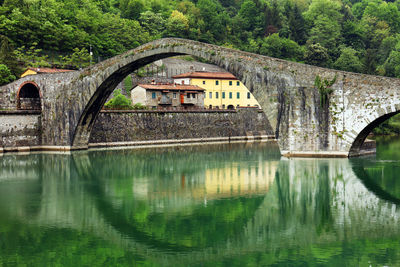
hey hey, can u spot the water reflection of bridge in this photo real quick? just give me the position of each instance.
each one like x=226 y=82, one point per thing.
x=323 y=198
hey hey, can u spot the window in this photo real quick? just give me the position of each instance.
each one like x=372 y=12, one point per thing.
x=237 y=83
x=223 y=95
x=216 y=95
x=210 y=95
x=238 y=95
x=204 y=82
x=216 y=82
x=153 y=95
x=230 y=95
x=174 y=95
x=230 y=83
x=248 y=95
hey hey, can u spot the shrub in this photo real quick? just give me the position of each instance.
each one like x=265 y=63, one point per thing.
x=139 y=106
x=119 y=101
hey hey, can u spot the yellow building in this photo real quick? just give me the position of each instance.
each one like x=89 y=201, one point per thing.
x=222 y=89
x=34 y=71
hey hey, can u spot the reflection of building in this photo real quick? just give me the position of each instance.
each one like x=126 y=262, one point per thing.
x=168 y=96
x=33 y=71
x=222 y=89
x=237 y=181
x=215 y=183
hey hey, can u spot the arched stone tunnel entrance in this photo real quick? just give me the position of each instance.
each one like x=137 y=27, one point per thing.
x=29 y=96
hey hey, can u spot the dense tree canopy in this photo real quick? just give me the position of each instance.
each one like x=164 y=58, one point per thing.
x=351 y=35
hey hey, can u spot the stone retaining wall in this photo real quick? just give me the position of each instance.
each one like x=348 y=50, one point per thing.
x=20 y=129
x=114 y=126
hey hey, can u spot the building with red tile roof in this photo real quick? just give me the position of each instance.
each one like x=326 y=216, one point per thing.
x=168 y=96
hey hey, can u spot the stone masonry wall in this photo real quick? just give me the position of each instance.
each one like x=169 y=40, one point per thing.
x=150 y=125
x=17 y=130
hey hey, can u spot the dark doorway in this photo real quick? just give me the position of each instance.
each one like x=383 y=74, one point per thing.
x=28 y=97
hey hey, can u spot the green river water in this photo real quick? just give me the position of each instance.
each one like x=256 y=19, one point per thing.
x=210 y=205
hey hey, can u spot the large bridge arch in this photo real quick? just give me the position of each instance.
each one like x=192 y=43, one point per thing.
x=241 y=65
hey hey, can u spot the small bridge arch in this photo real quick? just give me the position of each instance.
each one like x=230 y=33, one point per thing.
x=29 y=96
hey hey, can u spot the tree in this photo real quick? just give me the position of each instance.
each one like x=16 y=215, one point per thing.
x=273 y=19
x=348 y=60
x=7 y=56
x=131 y=9
x=388 y=45
x=79 y=59
x=353 y=35
x=326 y=8
x=392 y=63
x=119 y=101
x=276 y=46
x=326 y=32
x=177 y=24
x=317 y=55
x=153 y=23
x=5 y=75
x=249 y=14
x=295 y=23
x=31 y=57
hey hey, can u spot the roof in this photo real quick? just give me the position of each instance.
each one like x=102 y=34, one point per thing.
x=171 y=87
x=207 y=75
x=48 y=70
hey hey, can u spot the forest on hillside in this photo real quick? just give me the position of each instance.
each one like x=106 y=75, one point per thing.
x=352 y=35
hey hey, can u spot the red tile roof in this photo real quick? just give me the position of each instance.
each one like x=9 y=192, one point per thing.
x=207 y=75
x=171 y=87
x=48 y=70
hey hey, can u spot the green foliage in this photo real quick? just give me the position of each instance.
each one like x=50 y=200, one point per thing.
x=316 y=54
x=139 y=106
x=348 y=60
x=388 y=127
x=177 y=24
x=32 y=56
x=128 y=83
x=5 y=75
x=79 y=58
x=284 y=29
x=276 y=46
x=324 y=88
x=392 y=64
x=119 y=101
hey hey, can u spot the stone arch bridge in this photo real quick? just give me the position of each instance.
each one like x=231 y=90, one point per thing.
x=302 y=123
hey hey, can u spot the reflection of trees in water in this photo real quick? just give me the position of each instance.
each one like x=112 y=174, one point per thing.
x=323 y=201
x=380 y=177
x=299 y=219
x=187 y=220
